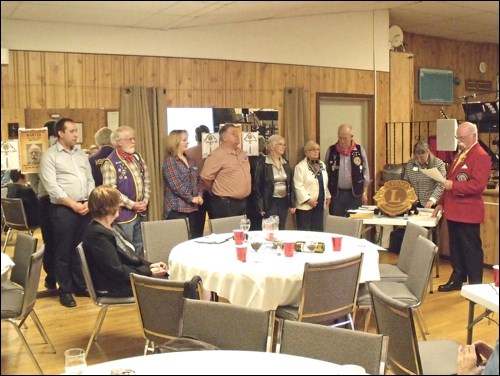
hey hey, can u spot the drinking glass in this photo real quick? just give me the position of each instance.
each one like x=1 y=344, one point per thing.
x=245 y=226
x=256 y=243
x=311 y=245
x=74 y=361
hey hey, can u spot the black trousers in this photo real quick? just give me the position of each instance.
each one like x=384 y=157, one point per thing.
x=223 y=207
x=196 y=222
x=343 y=202
x=68 y=228
x=48 y=240
x=310 y=220
x=466 y=252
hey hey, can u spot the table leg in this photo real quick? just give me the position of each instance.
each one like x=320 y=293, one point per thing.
x=470 y=325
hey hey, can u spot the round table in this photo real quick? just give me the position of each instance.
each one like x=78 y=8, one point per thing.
x=267 y=280
x=218 y=362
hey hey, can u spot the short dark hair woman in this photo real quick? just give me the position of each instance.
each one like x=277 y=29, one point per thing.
x=110 y=253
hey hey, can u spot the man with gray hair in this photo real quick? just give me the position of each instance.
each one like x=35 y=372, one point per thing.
x=126 y=170
x=463 y=207
x=103 y=140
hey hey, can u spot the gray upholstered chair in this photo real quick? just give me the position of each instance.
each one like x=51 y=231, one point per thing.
x=413 y=291
x=406 y=355
x=15 y=218
x=159 y=237
x=328 y=295
x=103 y=302
x=343 y=226
x=335 y=345
x=228 y=326
x=399 y=272
x=18 y=304
x=159 y=304
x=25 y=246
x=227 y=224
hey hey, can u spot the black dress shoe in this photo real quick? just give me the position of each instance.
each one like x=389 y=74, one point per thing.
x=450 y=286
x=67 y=300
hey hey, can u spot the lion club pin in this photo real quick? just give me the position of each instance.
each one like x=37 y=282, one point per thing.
x=462 y=176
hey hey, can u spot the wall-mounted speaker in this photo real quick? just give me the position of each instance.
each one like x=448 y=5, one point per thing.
x=446 y=129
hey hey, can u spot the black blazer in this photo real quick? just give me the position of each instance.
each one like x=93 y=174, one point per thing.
x=263 y=187
x=109 y=266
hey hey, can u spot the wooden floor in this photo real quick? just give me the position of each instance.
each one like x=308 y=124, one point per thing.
x=445 y=313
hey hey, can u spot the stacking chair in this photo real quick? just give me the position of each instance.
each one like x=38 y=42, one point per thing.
x=335 y=345
x=159 y=304
x=343 y=226
x=329 y=292
x=411 y=292
x=228 y=326
x=25 y=246
x=103 y=302
x=159 y=237
x=406 y=355
x=227 y=224
x=15 y=218
x=399 y=272
x=18 y=304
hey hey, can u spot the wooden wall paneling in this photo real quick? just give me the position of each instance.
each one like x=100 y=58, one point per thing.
x=383 y=115
x=185 y=83
x=55 y=68
x=18 y=87
x=117 y=79
x=104 y=81
x=277 y=93
x=234 y=84
x=213 y=85
x=197 y=82
x=170 y=80
x=75 y=77
x=35 y=81
x=250 y=95
x=263 y=88
x=89 y=90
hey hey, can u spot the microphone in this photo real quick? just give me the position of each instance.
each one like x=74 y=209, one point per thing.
x=468 y=96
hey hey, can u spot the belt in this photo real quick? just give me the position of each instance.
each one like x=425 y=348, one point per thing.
x=230 y=198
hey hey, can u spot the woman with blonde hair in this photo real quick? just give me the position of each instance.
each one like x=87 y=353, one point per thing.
x=110 y=253
x=311 y=189
x=182 y=186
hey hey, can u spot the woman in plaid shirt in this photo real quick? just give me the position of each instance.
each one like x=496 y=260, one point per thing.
x=182 y=184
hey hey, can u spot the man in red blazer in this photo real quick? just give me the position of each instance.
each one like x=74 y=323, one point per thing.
x=463 y=207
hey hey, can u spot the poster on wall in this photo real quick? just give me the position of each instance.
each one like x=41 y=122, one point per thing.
x=250 y=143
x=32 y=143
x=10 y=155
x=209 y=142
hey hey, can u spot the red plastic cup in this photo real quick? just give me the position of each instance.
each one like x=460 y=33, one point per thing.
x=288 y=248
x=270 y=236
x=495 y=275
x=337 y=243
x=241 y=253
x=238 y=236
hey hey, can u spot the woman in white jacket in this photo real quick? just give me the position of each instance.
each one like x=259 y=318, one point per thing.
x=311 y=189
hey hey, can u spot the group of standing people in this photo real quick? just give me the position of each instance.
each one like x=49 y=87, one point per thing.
x=221 y=184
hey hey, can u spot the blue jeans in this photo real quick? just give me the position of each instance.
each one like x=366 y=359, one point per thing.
x=133 y=231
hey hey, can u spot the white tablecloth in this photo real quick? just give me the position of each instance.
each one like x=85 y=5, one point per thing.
x=273 y=281
x=218 y=362
x=7 y=264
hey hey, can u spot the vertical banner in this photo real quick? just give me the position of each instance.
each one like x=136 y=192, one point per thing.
x=251 y=143
x=10 y=155
x=209 y=142
x=32 y=143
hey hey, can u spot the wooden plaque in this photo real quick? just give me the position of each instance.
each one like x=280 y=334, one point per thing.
x=396 y=197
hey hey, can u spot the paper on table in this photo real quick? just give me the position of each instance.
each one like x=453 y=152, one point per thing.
x=213 y=239
x=433 y=173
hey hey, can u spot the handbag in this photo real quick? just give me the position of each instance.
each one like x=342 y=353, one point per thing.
x=184 y=343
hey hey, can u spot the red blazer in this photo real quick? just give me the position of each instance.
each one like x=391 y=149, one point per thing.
x=464 y=202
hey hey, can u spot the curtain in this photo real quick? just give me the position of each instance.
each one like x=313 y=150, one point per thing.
x=144 y=110
x=296 y=124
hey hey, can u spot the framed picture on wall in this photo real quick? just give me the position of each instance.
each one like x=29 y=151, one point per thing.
x=13 y=129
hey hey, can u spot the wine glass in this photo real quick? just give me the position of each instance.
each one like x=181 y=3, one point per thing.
x=311 y=245
x=256 y=243
x=245 y=226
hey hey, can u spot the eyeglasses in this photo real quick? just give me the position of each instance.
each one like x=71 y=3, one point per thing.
x=315 y=149
x=280 y=144
x=128 y=139
x=461 y=138
x=345 y=138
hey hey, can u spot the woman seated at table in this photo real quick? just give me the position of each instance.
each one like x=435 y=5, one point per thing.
x=311 y=189
x=110 y=254
x=273 y=183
